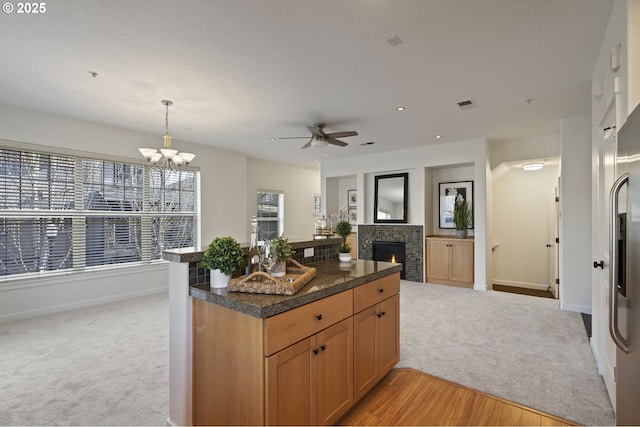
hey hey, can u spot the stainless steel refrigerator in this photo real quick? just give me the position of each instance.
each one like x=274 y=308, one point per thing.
x=624 y=296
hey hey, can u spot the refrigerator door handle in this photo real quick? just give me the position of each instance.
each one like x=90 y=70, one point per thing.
x=613 y=269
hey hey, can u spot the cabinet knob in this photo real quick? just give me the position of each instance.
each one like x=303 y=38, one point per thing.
x=381 y=290
x=323 y=347
x=315 y=351
x=319 y=316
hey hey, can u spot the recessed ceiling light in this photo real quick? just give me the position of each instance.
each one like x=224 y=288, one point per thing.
x=400 y=108
x=272 y=139
x=326 y=154
x=534 y=166
x=438 y=136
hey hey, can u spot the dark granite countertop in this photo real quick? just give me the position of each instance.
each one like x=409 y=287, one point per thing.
x=331 y=278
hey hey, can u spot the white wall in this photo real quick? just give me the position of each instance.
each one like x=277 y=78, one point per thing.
x=298 y=185
x=416 y=162
x=575 y=214
x=517 y=149
x=521 y=204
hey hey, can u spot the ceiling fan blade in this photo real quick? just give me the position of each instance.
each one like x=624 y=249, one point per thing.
x=293 y=137
x=315 y=131
x=342 y=134
x=337 y=142
x=308 y=144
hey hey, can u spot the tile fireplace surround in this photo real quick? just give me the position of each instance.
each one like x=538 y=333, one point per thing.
x=411 y=235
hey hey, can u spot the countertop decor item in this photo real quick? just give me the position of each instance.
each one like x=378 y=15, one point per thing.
x=279 y=252
x=225 y=255
x=343 y=229
x=260 y=282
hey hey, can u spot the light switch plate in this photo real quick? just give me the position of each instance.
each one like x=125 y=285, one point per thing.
x=308 y=252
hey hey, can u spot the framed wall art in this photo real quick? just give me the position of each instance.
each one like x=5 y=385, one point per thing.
x=449 y=192
x=352 y=198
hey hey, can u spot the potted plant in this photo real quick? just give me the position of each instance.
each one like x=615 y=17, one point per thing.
x=461 y=217
x=223 y=256
x=343 y=229
x=279 y=252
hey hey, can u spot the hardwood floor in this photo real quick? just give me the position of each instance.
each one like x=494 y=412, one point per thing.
x=523 y=291
x=410 y=397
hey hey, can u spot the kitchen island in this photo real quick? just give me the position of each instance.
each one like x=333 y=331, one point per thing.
x=304 y=359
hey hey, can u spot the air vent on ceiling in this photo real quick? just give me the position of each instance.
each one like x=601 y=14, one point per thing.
x=367 y=143
x=467 y=104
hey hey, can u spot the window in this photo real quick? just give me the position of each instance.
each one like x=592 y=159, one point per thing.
x=64 y=212
x=270 y=215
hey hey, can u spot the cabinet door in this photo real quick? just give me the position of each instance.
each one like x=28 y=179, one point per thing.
x=335 y=362
x=365 y=372
x=437 y=259
x=389 y=333
x=462 y=261
x=291 y=382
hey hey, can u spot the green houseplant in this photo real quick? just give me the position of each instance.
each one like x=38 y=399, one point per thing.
x=279 y=251
x=223 y=256
x=461 y=217
x=343 y=229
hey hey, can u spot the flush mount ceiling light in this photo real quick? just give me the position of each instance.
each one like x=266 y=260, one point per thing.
x=534 y=166
x=167 y=157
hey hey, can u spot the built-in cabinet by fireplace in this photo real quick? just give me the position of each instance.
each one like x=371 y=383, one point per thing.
x=450 y=261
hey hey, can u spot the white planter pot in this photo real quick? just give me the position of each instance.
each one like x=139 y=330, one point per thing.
x=279 y=269
x=219 y=279
x=344 y=256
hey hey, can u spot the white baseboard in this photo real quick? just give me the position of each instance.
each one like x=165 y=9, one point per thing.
x=577 y=308
x=520 y=284
x=79 y=304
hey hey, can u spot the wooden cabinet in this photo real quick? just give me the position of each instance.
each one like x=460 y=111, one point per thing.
x=449 y=261
x=309 y=383
x=295 y=368
x=376 y=332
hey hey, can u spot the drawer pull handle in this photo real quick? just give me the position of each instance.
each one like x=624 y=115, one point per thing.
x=315 y=351
x=381 y=290
x=319 y=316
x=323 y=347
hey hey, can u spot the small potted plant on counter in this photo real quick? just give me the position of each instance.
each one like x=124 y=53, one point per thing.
x=223 y=256
x=461 y=217
x=279 y=252
x=343 y=229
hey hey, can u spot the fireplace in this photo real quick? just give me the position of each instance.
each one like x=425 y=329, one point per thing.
x=389 y=252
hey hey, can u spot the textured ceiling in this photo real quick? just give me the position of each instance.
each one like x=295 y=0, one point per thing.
x=243 y=71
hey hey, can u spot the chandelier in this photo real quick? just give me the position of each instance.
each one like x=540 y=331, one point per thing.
x=166 y=157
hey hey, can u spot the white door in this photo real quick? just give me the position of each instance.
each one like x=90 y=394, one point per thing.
x=603 y=178
x=553 y=242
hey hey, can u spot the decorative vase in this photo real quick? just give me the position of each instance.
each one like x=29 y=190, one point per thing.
x=461 y=234
x=279 y=269
x=344 y=256
x=219 y=279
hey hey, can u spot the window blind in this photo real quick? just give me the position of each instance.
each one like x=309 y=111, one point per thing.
x=65 y=212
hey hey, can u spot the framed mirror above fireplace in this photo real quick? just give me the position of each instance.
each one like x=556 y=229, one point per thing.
x=390 y=198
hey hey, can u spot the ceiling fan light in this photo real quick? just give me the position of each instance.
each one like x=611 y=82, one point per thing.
x=318 y=143
x=533 y=166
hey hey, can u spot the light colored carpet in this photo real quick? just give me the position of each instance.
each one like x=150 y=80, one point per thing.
x=103 y=365
x=520 y=348
x=108 y=365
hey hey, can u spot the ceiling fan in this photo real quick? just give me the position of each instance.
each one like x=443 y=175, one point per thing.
x=321 y=139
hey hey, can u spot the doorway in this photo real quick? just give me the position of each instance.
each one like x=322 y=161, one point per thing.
x=525 y=224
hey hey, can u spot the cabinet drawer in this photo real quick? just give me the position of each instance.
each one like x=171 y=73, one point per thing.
x=373 y=292
x=292 y=326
